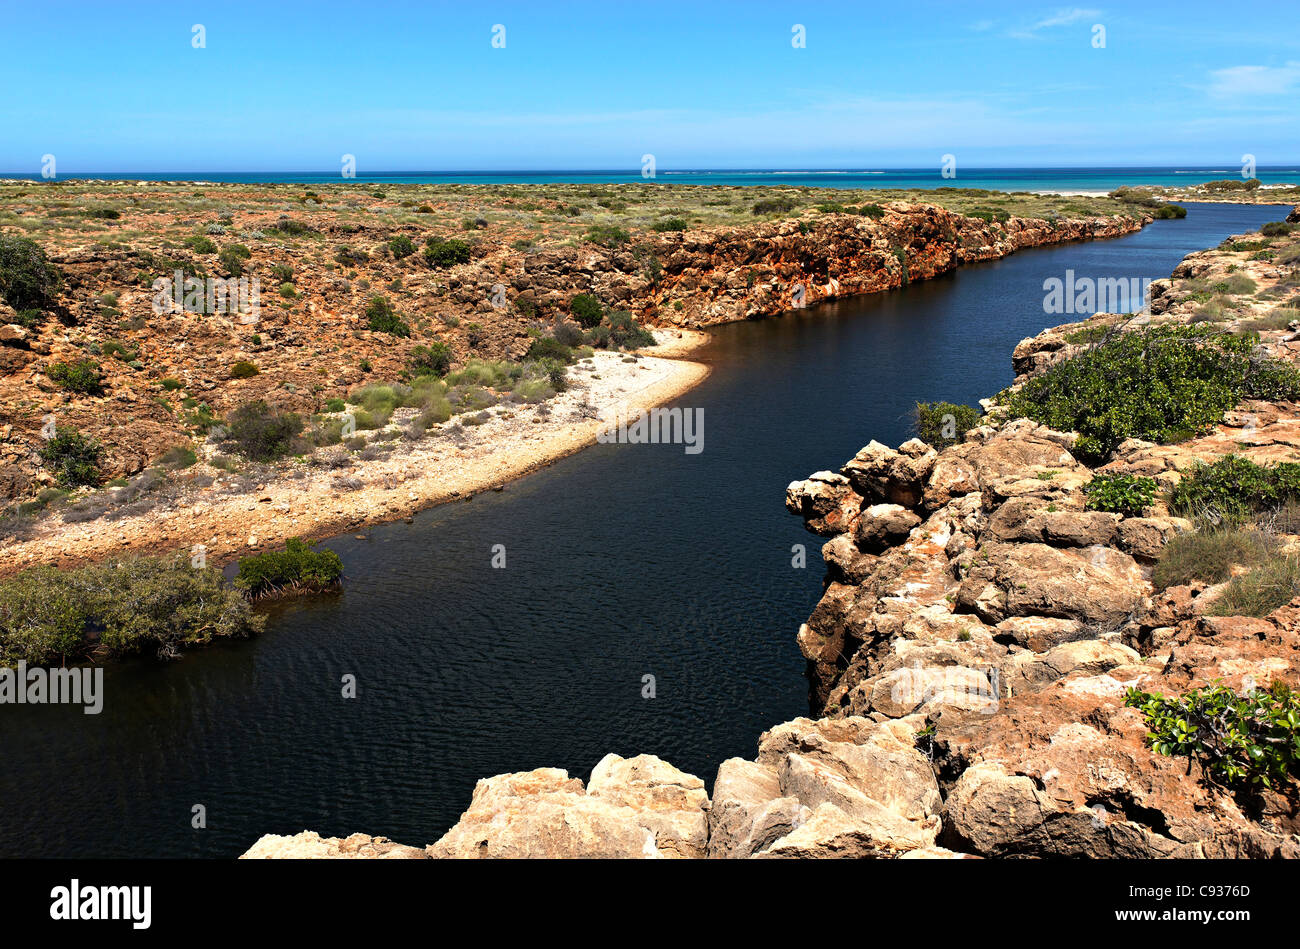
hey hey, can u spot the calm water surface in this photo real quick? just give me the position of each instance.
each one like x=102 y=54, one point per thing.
x=622 y=561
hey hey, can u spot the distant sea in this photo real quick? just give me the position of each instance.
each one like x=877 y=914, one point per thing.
x=995 y=179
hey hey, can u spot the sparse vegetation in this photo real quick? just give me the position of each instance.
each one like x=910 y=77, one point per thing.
x=1208 y=556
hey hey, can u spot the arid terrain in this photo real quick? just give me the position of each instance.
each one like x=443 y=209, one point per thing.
x=364 y=290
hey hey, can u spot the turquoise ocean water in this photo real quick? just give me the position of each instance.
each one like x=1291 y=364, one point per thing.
x=996 y=179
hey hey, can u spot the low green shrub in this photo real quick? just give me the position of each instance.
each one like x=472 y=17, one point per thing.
x=1249 y=739
x=243 y=370
x=74 y=458
x=382 y=318
x=81 y=376
x=1163 y=385
x=568 y=334
x=1234 y=488
x=1276 y=229
x=1120 y=494
x=232 y=258
x=296 y=569
x=669 y=224
x=626 y=333
x=944 y=423
x=549 y=348
x=441 y=252
x=27 y=278
x=434 y=359
x=587 y=310
x=401 y=246
x=261 y=432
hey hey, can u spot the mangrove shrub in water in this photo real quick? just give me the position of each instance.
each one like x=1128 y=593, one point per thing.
x=50 y=616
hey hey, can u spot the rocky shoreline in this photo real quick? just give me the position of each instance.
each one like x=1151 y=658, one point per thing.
x=969 y=660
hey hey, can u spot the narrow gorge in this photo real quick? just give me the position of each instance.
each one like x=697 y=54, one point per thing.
x=983 y=629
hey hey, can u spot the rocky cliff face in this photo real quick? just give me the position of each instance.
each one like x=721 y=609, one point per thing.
x=723 y=275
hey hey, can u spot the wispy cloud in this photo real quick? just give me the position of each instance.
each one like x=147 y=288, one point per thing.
x=1238 y=82
x=1066 y=17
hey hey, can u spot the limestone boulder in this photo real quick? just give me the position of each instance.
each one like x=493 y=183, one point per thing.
x=880 y=473
x=310 y=845
x=826 y=501
x=1096 y=585
x=1145 y=537
x=883 y=525
x=749 y=811
x=637 y=807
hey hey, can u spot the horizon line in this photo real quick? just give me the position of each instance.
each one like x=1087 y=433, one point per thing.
x=877 y=169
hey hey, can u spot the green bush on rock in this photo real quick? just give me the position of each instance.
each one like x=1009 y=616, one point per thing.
x=81 y=376
x=262 y=433
x=1120 y=494
x=74 y=458
x=944 y=423
x=27 y=278
x=1250 y=739
x=1234 y=488
x=1163 y=385
x=382 y=318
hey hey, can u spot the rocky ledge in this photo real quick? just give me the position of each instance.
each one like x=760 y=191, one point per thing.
x=969 y=662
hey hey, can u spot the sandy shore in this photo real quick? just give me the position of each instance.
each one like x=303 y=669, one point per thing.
x=314 y=501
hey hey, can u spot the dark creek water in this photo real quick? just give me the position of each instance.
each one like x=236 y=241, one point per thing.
x=622 y=561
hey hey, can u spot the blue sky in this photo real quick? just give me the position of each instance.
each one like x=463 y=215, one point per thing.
x=283 y=85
